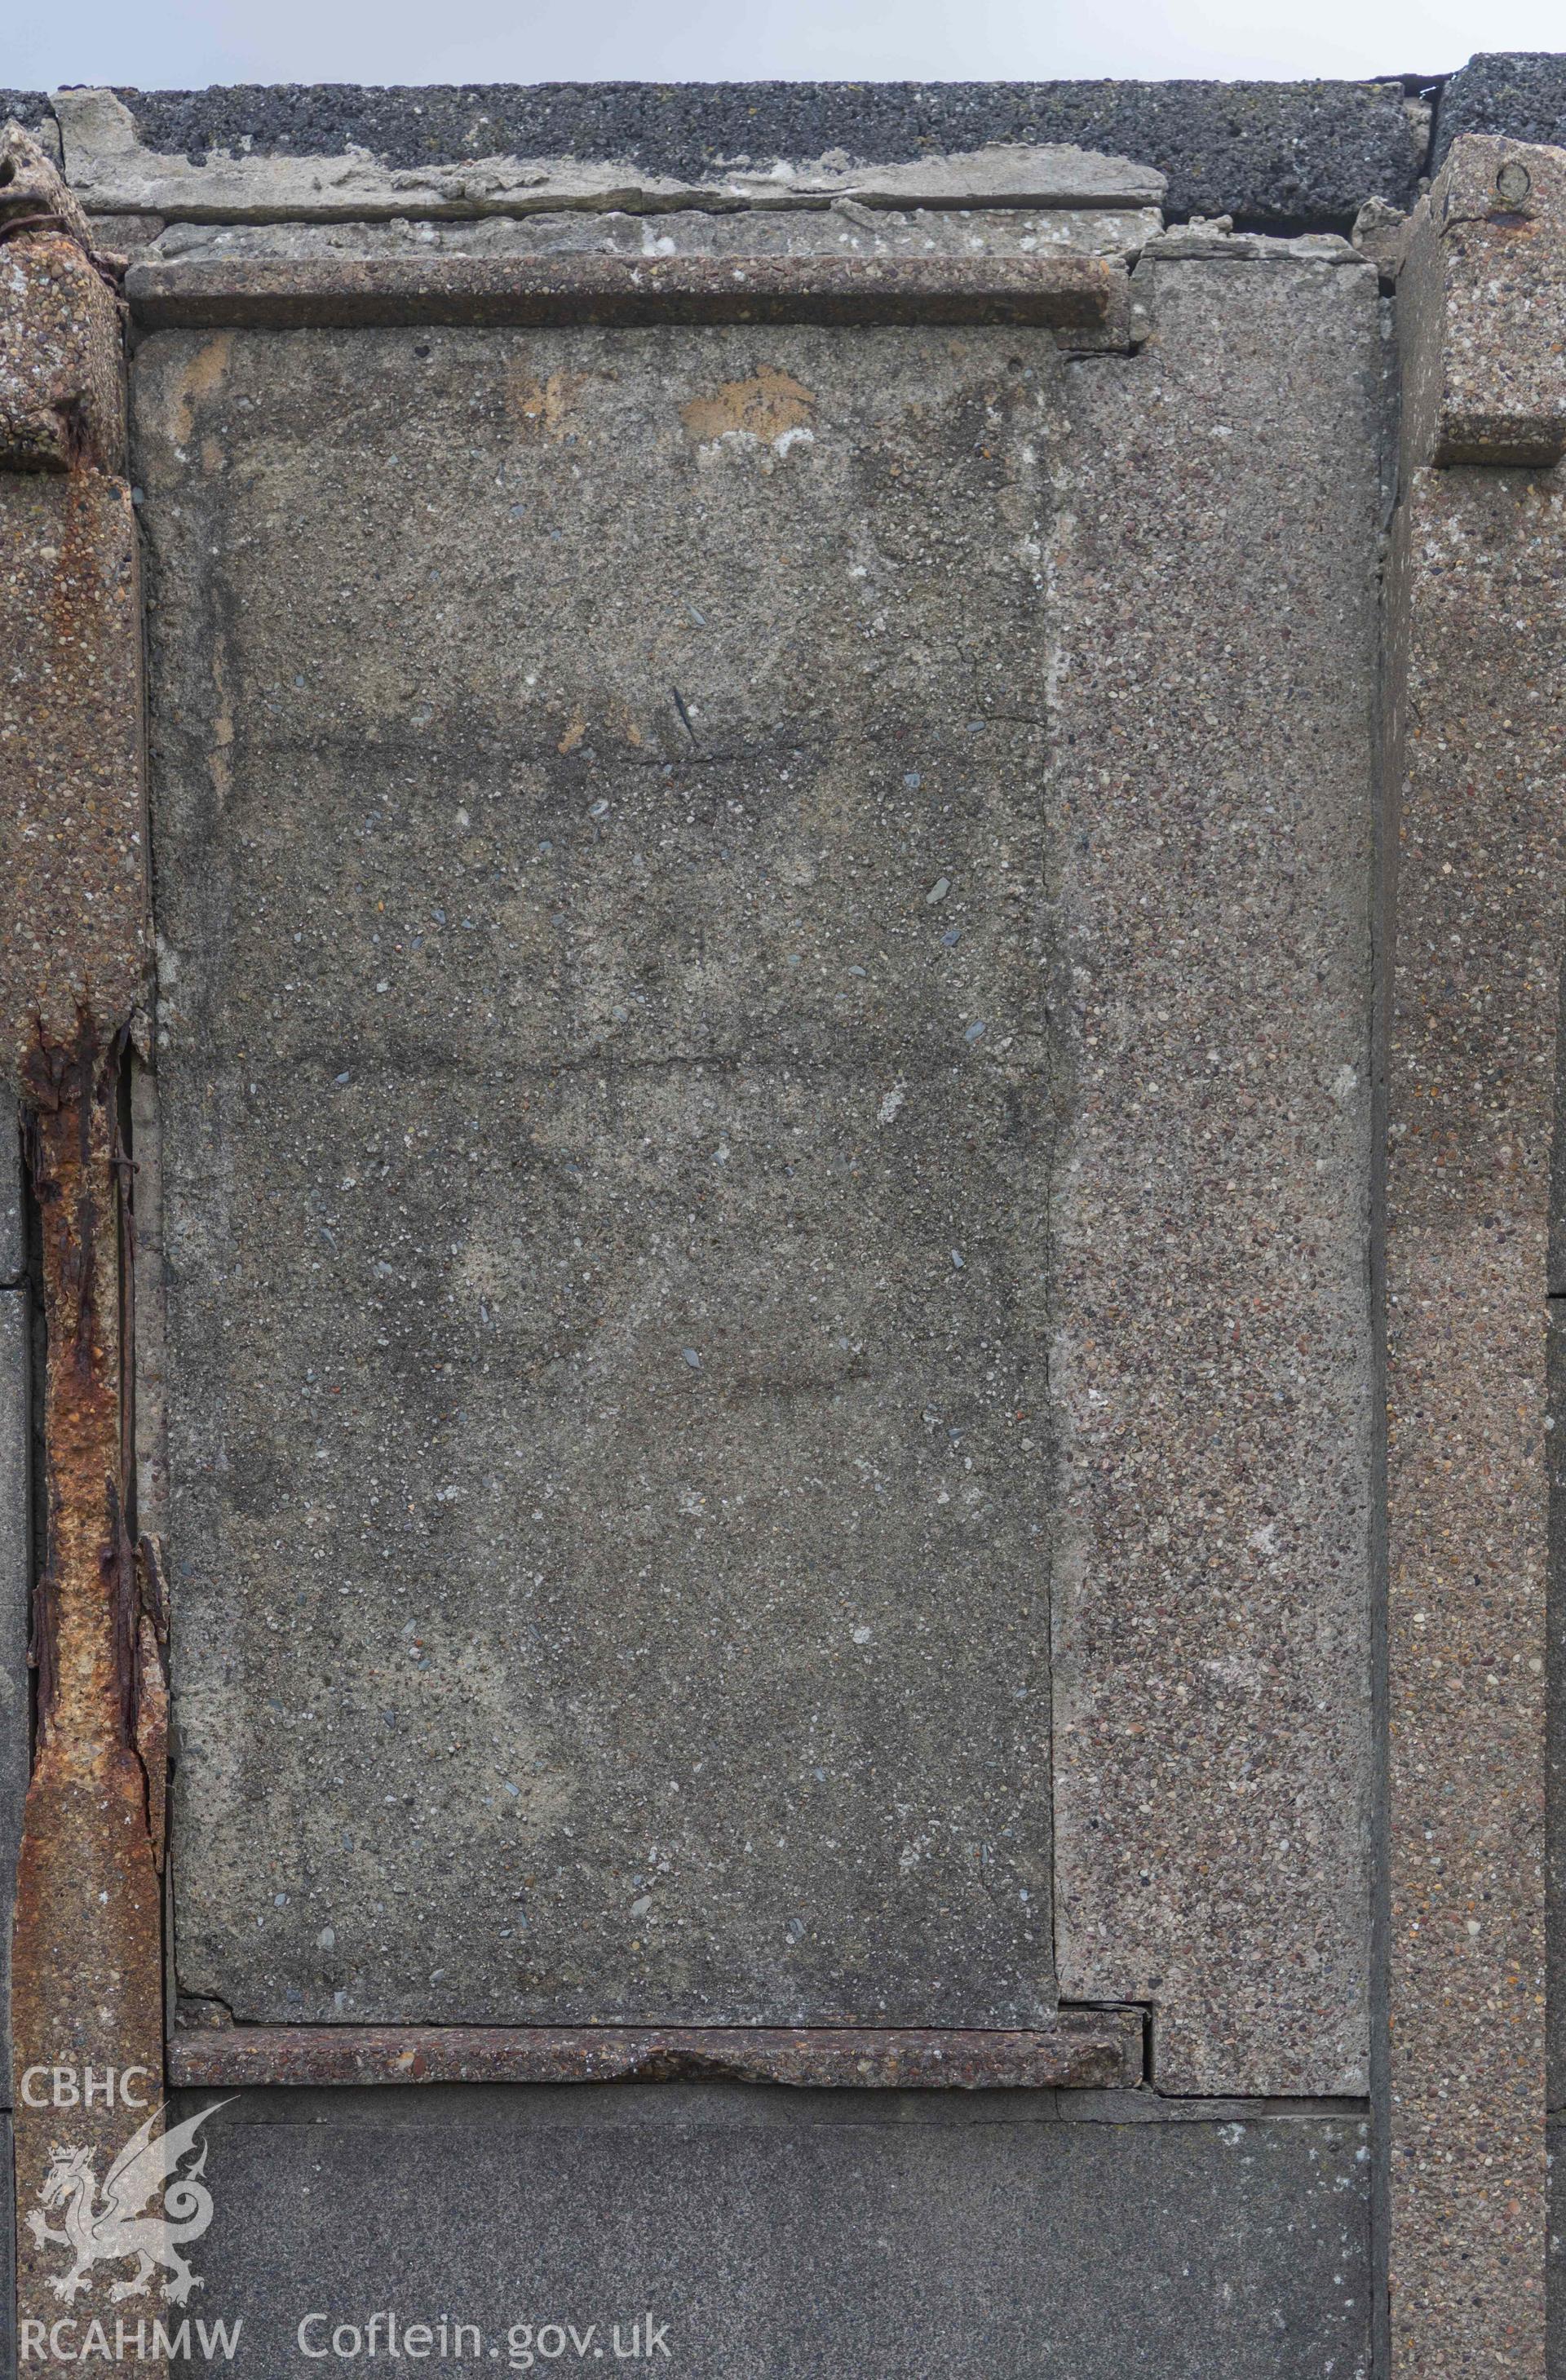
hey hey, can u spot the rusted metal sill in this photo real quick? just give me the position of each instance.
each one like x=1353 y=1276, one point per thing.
x=1088 y=2049
x=1071 y=292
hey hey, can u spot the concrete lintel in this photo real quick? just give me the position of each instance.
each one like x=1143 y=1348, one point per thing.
x=1057 y=292
x=1087 y=2048
x=1481 y=299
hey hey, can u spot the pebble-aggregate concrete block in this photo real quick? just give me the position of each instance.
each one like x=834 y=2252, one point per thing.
x=1214 y=779
x=1479 y=829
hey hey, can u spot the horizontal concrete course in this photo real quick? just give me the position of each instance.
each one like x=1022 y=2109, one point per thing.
x=1055 y=290
x=792 y=2236
x=1085 y=2049
x=1308 y=152
x=844 y=228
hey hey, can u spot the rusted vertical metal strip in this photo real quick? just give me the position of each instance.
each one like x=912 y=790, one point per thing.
x=86 y=2011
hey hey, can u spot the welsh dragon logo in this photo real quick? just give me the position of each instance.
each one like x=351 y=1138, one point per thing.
x=103 y=2233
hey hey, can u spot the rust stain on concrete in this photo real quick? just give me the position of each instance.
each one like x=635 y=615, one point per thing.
x=765 y=407
x=202 y=375
x=542 y=407
x=87 y=1966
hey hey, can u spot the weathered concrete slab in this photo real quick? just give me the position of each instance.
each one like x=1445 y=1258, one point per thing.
x=1480 y=832
x=830 y=2234
x=1519 y=93
x=844 y=228
x=1291 y=153
x=1213 y=705
x=607 y=1123
x=15 y=1587
x=113 y=170
x=72 y=928
x=1481 y=299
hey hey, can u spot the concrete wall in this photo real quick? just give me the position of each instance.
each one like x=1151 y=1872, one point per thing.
x=790 y=955
x=680 y=1062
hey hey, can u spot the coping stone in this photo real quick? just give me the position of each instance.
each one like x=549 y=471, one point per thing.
x=1286 y=153
x=1519 y=93
x=814 y=2236
x=115 y=173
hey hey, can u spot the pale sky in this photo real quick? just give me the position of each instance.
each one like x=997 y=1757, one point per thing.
x=184 y=43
